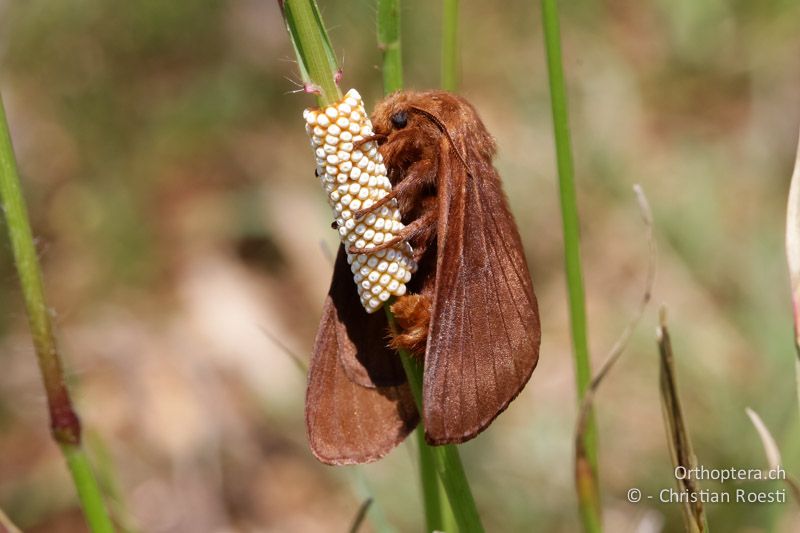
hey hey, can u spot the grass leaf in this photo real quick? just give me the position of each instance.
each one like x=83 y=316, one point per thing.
x=680 y=443
x=772 y=451
x=793 y=256
x=360 y=515
x=7 y=525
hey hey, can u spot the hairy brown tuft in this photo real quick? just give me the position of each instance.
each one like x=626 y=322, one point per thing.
x=413 y=316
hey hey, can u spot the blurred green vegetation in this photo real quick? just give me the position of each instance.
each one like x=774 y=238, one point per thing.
x=169 y=178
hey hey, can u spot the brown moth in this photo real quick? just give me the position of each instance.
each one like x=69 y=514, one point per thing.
x=470 y=313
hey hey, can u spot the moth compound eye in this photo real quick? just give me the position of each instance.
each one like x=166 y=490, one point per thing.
x=399 y=120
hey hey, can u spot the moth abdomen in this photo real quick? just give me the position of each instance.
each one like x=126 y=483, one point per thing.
x=412 y=314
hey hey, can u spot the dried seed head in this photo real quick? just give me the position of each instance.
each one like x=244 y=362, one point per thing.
x=356 y=179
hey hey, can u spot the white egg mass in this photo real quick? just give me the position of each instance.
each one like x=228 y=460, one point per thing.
x=335 y=131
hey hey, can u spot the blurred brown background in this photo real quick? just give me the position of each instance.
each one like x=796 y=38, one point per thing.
x=186 y=250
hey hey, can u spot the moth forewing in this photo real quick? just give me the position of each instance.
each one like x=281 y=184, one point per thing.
x=483 y=333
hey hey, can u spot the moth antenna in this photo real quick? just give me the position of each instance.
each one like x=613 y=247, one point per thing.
x=441 y=125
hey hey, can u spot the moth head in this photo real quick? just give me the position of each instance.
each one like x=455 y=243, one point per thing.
x=432 y=114
x=395 y=113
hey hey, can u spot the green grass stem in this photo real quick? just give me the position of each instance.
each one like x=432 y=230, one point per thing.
x=389 y=42
x=88 y=490
x=64 y=423
x=450 y=55
x=449 y=505
x=572 y=258
x=315 y=56
x=446 y=460
x=438 y=512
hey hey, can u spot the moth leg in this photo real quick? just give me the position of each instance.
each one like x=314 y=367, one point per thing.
x=380 y=138
x=361 y=213
x=409 y=232
x=376 y=137
x=416 y=175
